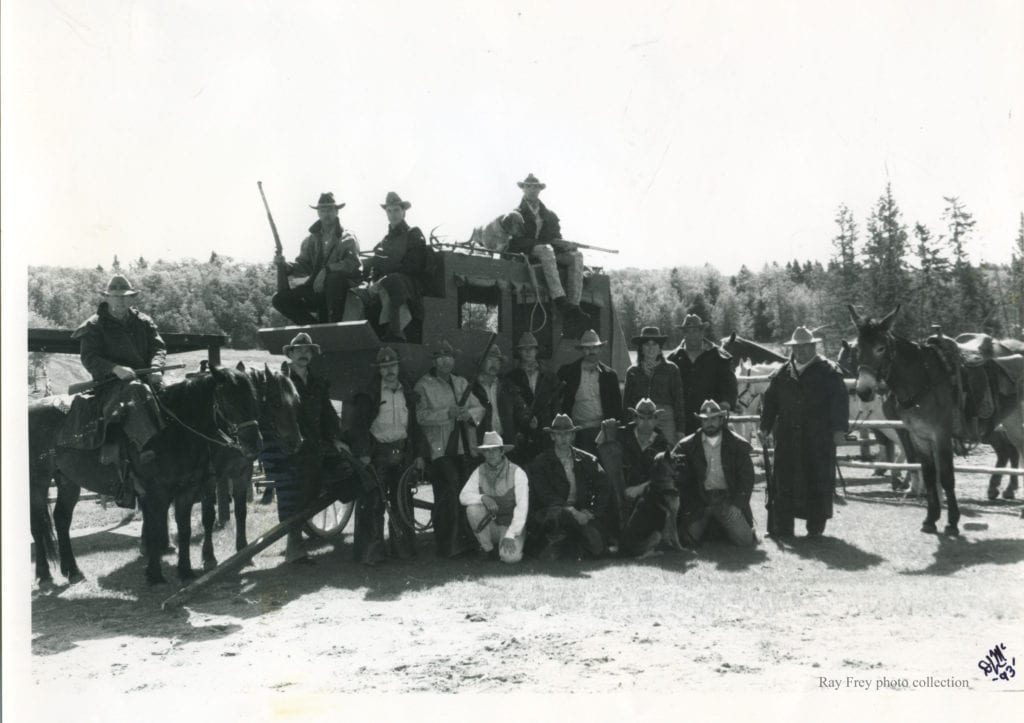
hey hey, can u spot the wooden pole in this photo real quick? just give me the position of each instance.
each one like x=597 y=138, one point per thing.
x=246 y=553
x=909 y=466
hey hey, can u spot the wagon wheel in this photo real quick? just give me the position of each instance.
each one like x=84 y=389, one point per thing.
x=330 y=522
x=409 y=485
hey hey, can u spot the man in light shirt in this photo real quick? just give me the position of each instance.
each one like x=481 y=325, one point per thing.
x=716 y=478
x=385 y=435
x=591 y=391
x=497 y=497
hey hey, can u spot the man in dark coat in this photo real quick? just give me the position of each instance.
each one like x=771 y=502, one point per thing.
x=715 y=476
x=540 y=391
x=706 y=370
x=329 y=257
x=541 y=239
x=654 y=378
x=591 y=393
x=385 y=434
x=569 y=495
x=115 y=341
x=807 y=409
x=505 y=411
x=397 y=269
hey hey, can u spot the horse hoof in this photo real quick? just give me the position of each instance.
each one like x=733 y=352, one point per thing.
x=209 y=565
x=76 y=576
x=929 y=527
x=952 y=530
x=46 y=584
x=993 y=493
x=170 y=550
x=1009 y=495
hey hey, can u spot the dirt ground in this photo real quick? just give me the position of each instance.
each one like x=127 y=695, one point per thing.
x=874 y=599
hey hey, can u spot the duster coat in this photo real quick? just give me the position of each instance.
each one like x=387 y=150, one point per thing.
x=803 y=411
x=709 y=377
x=691 y=468
x=107 y=342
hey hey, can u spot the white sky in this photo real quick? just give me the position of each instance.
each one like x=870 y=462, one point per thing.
x=679 y=132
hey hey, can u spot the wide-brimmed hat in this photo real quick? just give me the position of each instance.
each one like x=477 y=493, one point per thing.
x=327 y=201
x=649 y=333
x=527 y=341
x=562 y=423
x=493 y=440
x=645 y=408
x=589 y=338
x=496 y=351
x=385 y=356
x=692 y=321
x=393 y=199
x=119 y=286
x=442 y=348
x=302 y=339
x=801 y=335
x=711 y=408
x=531 y=180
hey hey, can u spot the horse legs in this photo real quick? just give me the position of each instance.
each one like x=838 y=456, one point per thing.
x=42 y=526
x=183 y=518
x=67 y=497
x=242 y=484
x=946 y=476
x=210 y=522
x=929 y=472
x=154 y=532
x=1002 y=447
x=224 y=490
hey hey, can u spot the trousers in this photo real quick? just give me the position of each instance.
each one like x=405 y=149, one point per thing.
x=550 y=260
x=493 y=533
x=302 y=305
x=729 y=517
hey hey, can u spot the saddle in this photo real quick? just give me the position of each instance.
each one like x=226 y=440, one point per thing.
x=83 y=427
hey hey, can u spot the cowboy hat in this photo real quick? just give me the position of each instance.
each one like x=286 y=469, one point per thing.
x=645 y=408
x=327 y=201
x=119 y=286
x=493 y=440
x=710 y=408
x=302 y=339
x=527 y=341
x=443 y=348
x=496 y=351
x=589 y=338
x=562 y=423
x=692 y=321
x=386 y=356
x=393 y=199
x=649 y=333
x=531 y=180
x=801 y=335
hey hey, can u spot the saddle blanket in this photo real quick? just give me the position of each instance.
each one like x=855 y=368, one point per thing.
x=83 y=427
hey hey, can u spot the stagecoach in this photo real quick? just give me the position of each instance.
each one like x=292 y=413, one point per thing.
x=470 y=295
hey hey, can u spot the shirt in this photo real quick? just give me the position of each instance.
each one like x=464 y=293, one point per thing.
x=471 y=495
x=392 y=420
x=715 y=479
x=535 y=209
x=436 y=397
x=570 y=473
x=492 y=398
x=586 y=409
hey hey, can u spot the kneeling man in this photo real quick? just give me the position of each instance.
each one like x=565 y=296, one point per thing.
x=496 y=497
x=716 y=478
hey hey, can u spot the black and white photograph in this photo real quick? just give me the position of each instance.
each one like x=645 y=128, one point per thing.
x=512 y=360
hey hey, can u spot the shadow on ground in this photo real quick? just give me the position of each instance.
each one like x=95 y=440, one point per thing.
x=958 y=553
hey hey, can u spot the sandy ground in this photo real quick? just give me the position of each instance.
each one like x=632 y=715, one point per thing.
x=875 y=600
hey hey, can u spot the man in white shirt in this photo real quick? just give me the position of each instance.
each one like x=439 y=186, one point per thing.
x=497 y=497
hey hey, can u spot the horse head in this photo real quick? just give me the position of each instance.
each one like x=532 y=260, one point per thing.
x=279 y=407
x=874 y=351
x=235 y=408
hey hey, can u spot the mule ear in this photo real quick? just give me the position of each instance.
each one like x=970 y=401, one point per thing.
x=240 y=366
x=886 y=323
x=732 y=337
x=854 y=316
x=845 y=345
x=266 y=368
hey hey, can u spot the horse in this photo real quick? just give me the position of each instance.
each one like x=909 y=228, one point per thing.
x=750 y=394
x=219 y=407
x=991 y=346
x=232 y=471
x=740 y=348
x=1007 y=455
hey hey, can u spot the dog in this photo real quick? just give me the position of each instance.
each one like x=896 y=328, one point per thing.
x=495 y=236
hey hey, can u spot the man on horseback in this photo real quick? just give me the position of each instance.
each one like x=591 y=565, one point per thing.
x=115 y=341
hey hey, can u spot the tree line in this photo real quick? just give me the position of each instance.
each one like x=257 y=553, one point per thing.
x=874 y=267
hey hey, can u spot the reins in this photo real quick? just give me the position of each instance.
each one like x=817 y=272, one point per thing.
x=232 y=428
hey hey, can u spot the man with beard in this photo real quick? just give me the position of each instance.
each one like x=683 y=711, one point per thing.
x=497 y=498
x=115 y=341
x=591 y=391
x=385 y=435
x=505 y=412
x=807 y=409
x=540 y=391
x=329 y=257
x=706 y=371
x=444 y=423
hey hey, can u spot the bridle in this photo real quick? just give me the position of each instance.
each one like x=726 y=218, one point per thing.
x=230 y=433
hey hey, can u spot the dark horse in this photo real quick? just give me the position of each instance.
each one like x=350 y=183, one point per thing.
x=925 y=402
x=232 y=470
x=218 y=408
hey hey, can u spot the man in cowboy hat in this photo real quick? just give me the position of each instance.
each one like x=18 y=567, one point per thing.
x=385 y=434
x=497 y=498
x=329 y=258
x=806 y=408
x=715 y=476
x=652 y=377
x=569 y=496
x=321 y=435
x=591 y=390
x=115 y=341
x=628 y=454
x=397 y=269
x=706 y=371
x=540 y=391
x=540 y=237
x=445 y=422
x=505 y=412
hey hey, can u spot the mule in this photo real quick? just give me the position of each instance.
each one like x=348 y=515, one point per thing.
x=1007 y=455
x=219 y=408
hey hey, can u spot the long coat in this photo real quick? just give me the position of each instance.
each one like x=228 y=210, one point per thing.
x=550 y=229
x=107 y=342
x=549 y=487
x=691 y=468
x=400 y=264
x=318 y=420
x=339 y=253
x=608 y=388
x=710 y=377
x=803 y=412
x=664 y=387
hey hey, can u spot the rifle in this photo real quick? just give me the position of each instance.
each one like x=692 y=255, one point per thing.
x=769 y=490
x=452 y=448
x=578 y=245
x=282 y=270
x=86 y=386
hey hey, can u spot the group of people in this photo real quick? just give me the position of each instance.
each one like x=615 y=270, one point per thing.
x=387 y=285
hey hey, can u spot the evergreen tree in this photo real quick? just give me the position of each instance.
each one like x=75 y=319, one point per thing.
x=970 y=301
x=934 y=280
x=1016 y=293
x=886 y=278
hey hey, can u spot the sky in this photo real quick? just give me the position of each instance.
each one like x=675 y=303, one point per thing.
x=680 y=133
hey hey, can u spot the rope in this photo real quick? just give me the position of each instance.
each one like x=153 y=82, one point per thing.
x=172 y=415
x=536 y=298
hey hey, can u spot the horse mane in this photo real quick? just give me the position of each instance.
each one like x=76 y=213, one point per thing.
x=188 y=398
